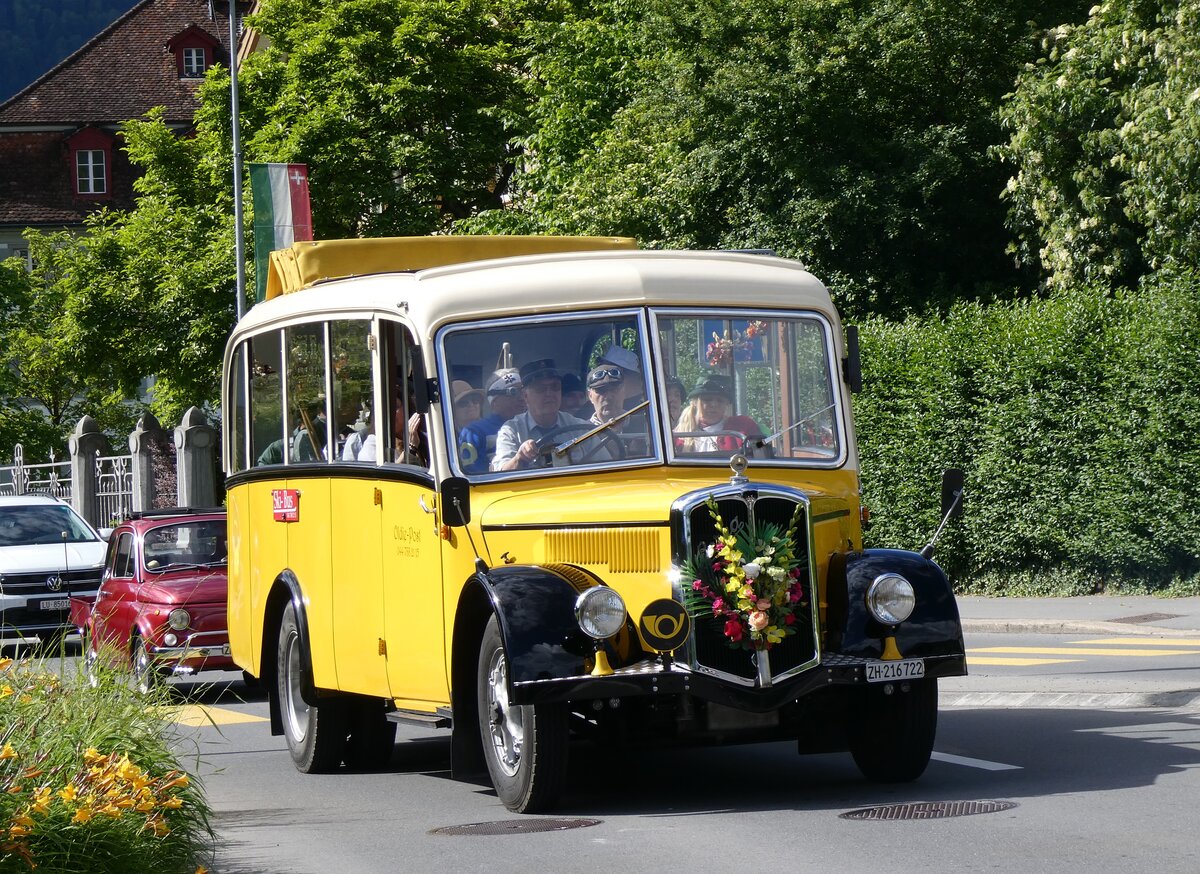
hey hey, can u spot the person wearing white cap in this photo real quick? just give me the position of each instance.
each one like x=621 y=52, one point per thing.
x=631 y=369
x=477 y=441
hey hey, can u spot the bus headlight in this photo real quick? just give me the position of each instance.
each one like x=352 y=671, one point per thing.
x=179 y=619
x=891 y=599
x=600 y=612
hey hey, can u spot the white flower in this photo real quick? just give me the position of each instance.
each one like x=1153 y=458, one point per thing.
x=776 y=573
x=751 y=570
x=711 y=551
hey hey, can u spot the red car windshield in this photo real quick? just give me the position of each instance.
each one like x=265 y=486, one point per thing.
x=185 y=544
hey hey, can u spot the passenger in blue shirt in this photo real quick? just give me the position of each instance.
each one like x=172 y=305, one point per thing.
x=477 y=441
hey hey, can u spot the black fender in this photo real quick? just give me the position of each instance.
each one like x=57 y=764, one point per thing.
x=535 y=607
x=933 y=629
x=285 y=588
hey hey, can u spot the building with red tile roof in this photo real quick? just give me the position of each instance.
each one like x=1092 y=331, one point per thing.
x=60 y=155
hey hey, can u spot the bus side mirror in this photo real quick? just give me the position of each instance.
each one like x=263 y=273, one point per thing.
x=851 y=365
x=456 y=501
x=952 y=493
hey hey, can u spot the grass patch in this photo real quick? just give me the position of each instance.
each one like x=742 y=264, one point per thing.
x=88 y=778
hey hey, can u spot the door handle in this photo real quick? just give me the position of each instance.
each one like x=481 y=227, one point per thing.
x=426 y=507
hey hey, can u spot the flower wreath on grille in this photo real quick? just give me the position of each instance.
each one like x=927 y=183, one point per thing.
x=751 y=579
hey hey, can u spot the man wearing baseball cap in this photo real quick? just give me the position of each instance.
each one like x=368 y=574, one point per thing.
x=477 y=441
x=517 y=439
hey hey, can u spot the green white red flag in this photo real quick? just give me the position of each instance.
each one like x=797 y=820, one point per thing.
x=282 y=213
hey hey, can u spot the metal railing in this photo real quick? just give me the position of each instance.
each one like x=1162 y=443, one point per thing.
x=114 y=488
x=51 y=478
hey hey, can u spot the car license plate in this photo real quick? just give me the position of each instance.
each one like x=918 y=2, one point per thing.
x=905 y=669
x=55 y=604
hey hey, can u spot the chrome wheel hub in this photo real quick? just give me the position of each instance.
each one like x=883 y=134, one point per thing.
x=505 y=721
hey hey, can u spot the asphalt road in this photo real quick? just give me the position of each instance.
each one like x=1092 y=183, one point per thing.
x=1044 y=723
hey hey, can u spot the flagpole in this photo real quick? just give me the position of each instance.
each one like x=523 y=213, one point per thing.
x=239 y=245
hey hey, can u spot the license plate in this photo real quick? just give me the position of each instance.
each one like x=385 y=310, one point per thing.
x=55 y=604
x=905 y=669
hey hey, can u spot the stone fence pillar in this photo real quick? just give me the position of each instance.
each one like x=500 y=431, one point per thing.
x=144 y=441
x=195 y=460
x=84 y=445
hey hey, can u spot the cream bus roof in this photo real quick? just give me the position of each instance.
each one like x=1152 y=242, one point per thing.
x=554 y=283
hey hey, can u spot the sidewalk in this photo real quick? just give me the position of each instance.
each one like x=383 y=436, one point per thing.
x=1102 y=615
x=1099 y=614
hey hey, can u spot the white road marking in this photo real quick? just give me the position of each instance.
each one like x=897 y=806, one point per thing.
x=974 y=763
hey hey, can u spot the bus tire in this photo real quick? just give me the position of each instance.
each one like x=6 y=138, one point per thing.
x=524 y=745
x=315 y=734
x=372 y=736
x=892 y=736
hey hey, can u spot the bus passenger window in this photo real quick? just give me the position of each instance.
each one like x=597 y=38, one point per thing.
x=353 y=390
x=306 y=393
x=266 y=411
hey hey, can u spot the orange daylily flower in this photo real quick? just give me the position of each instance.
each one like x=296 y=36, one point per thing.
x=8 y=752
x=83 y=814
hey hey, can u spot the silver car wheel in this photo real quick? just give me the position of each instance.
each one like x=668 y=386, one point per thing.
x=504 y=720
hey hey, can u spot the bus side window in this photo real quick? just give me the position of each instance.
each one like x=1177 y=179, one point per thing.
x=266 y=408
x=409 y=438
x=353 y=424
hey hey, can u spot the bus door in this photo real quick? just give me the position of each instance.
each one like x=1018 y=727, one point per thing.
x=412 y=566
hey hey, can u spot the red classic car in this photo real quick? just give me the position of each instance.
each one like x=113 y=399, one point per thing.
x=160 y=608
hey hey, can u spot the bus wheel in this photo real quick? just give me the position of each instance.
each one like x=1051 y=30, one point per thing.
x=524 y=745
x=316 y=735
x=892 y=737
x=372 y=735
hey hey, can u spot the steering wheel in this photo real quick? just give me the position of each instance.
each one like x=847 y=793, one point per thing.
x=546 y=443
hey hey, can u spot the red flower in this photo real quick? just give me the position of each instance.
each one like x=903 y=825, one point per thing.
x=789 y=619
x=733 y=630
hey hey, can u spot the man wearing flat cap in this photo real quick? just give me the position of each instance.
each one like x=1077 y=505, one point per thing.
x=517 y=439
x=477 y=441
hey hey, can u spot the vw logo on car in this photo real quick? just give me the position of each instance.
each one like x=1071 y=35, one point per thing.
x=54 y=582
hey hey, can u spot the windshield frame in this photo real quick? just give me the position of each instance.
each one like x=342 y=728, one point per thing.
x=655 y=452
x=178 y=567
x=839 y=413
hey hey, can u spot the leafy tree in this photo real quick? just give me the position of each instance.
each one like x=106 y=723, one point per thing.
x=1103 y=143
x=401 y=108
x=852 y=135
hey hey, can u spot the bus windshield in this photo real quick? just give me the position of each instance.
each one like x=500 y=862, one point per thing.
x=532 y=394
x=761 y=385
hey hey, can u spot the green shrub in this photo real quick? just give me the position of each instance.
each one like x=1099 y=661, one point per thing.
x=88 y=780
x=1075 y=419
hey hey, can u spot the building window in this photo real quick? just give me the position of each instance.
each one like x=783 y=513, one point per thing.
x=89 y=172
x=194 y=63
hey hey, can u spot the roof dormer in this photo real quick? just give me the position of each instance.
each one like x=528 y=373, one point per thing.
x=195 y=50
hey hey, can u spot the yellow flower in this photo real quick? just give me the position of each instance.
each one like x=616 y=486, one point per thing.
x=83 y=814
x=18 y=831
x=173 y=803
x=181 y=781
x=157 y=824
x=8 y=752
x=146 y=807
x=68 y=794
x=25 y=699
x=111 y=810
x=127 y=770
x=5 y=690
x=23 y=820
x=201 y=870
x=91 y=756
x=5 y=664
x=41 y=799
x=124 y=803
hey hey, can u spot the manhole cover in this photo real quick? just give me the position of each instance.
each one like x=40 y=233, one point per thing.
x=514 y=826
x=929 y=810
x=1148 y=617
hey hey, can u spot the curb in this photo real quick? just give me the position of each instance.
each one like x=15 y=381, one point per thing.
x=1067 y=626
x=1179 y=700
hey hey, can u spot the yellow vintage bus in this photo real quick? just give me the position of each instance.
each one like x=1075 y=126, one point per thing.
x=548 y=491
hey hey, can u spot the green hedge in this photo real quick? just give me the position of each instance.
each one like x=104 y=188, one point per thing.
x=1077 y=422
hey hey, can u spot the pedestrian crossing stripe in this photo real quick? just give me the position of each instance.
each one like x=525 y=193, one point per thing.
x=1016 y=662
x=1081 y=650
x=200 y=716
x=1142 y=641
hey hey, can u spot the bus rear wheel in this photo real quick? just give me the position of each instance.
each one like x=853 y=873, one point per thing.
x=524 y=745
x=315 y=733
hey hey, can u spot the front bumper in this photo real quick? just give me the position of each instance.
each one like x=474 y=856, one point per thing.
x=650 y=678
x=204 y=650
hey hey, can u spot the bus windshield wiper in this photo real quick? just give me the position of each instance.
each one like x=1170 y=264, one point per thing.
x=564 y=448
x=764 y=441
